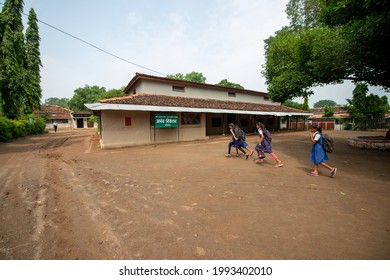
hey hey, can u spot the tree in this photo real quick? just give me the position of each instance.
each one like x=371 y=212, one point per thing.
x=33 y=60
x=91 y=94
x=362 y=107
x=196 y=77
x=226 y=83
x=328 y=111
x=304 y=106
x=13 y=74
x=292 y=104
x=302 y=13
x=62 y=102
x=110 y=94
x=323 y=103
x=327 y=42
x=88 y=94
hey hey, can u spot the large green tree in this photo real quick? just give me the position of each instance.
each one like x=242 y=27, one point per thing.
x=327 y=42
x=87 y=94
x=91 y=94
x=13 y=74
x=33 y=60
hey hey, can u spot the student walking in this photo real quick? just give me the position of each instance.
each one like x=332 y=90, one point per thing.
x=55 y=125
x=264 y=146
x=318 y=155
x=237 y=141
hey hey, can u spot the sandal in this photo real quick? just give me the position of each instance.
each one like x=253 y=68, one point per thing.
x=333 y=172
x=227 y=155
x=279 y=165
x=259 y=160
x=312 y=174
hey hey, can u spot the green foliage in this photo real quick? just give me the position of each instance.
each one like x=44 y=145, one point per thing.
x=20 y=90
x=91 y=94
x=196 y=77
x=293 y=104
x=226 y=83
x=6 y=128
x=302 y=13
x=362 y=107
x=110 y=94
x=34 y=93
x=328 y=111
x=62 y=102
x=88 y=94
x=323 y=103
x=10 y=129
x=328 y=42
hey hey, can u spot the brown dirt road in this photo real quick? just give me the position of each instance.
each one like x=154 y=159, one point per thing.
x=61 y=197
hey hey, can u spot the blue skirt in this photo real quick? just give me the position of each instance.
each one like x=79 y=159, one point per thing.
x=318 y=154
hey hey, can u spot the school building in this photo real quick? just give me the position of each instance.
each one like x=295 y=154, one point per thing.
x=162 y=110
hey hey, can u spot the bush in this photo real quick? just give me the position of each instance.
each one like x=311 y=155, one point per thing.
x=10 y=129
x=5 y=129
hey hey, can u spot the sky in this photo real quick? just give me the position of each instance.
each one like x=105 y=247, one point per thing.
x=222 y=39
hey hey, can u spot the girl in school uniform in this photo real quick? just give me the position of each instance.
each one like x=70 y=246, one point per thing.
x=237 y=142
x=265 y=147
x=318 y=155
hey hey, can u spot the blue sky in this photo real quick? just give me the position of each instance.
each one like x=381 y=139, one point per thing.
x=223 y=39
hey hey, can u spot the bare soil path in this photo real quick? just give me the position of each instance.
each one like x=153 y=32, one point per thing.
x=62 y=197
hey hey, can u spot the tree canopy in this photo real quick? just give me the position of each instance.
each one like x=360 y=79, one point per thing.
x=62 y=102
x=91 y=94
x=226 y=83
x=196 y=77
x=327 y=42
x=323 y=103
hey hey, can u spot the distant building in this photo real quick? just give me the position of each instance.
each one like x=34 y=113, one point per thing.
x=80 y=119
x=57 y=114
x=64 y=117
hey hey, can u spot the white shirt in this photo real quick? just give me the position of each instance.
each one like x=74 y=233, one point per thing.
x=316 y=136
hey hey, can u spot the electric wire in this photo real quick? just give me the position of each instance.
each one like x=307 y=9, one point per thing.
x=96 y=47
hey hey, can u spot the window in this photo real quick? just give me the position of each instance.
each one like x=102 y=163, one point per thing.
x=178 y=88
x=190 y=118
x=231 y=94
x=127 y=121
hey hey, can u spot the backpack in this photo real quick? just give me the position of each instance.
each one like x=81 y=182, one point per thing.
x=327 y=143
x=242 y=135
x=267 y=136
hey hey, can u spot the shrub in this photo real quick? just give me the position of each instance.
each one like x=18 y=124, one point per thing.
x=10 y=129
x=5 y=129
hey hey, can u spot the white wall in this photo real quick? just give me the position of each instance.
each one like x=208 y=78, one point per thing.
x=154 y=87
x=114 y=133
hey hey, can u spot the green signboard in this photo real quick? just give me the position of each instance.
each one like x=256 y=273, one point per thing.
x=166 y=121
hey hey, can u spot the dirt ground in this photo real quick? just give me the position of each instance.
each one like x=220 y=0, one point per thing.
x=62 y=197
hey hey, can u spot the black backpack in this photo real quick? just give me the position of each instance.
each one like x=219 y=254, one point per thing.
x=327 y=143
x=267 y=136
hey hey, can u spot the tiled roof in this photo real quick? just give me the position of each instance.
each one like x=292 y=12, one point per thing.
x=175 y=101
x=54 y=112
